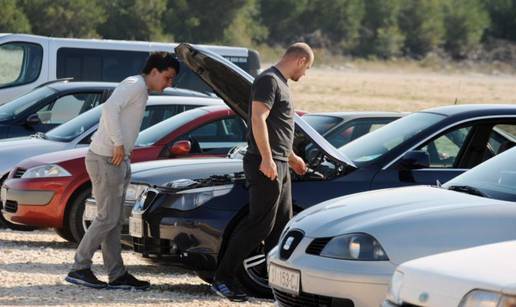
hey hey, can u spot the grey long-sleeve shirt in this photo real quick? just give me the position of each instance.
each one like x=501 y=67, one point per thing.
x=121 y=118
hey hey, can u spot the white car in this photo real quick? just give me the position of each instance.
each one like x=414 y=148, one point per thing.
x=480 y=276
x=344 y=251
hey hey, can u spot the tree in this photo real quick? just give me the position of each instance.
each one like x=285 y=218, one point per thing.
x=12 y=19
x=133 y=19
x=63 y=18
x=465 y=22
x=200 y=21
x=283 y=19
x=246 y=29
x=422 y=23
x=503 y=18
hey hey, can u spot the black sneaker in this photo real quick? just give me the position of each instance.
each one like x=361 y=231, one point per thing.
x=231 y=292
x=128 y=282
x=85 y=278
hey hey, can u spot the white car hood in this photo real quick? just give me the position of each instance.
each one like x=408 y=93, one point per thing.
x=448 y=277
x=354 y=212
x=12 y=151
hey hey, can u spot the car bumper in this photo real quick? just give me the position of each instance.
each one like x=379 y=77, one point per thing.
x=334 y=281
x=387 y=303
x=34 y=202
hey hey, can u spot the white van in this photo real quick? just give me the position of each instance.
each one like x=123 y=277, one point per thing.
x=27 y=61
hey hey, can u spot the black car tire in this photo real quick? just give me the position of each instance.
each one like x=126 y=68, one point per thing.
x=65 y=234
x=73 y=220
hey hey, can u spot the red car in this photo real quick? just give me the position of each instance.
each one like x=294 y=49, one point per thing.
x=50 y=190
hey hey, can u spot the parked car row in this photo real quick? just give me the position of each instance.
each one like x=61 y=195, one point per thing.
x=382 y=189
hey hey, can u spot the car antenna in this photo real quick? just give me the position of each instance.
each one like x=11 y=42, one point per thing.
x=456 y=101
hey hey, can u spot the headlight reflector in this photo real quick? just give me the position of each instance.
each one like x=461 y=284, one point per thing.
x=194 y=198
x=483 y=298
x=355 y=246
x=46 y=171
x=134 y=191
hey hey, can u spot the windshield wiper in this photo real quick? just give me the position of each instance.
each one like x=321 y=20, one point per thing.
x=467 y=189
x=39 y=135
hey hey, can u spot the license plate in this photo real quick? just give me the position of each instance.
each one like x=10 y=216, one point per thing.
x=284 y=279
x=3 y=196
x=135 y=227
x=90 y=212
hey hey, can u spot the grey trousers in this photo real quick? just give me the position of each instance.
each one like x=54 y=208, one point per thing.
x=109 y=184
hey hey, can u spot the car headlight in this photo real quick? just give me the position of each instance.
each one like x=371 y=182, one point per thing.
x=194 y=198
x=393 y=294
x=45 y=171
x=487 y=299
x=355 y=246
x=134 y=191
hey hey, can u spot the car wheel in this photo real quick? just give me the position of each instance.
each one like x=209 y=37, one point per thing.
x=65 y=234
x=75 y=214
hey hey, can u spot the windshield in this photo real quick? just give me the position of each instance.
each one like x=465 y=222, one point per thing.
x=75 y=127
x=20 y=63
x=20 y=104
x=372 y=146
x=155 y=133
x=322 y=123
x=495 y=178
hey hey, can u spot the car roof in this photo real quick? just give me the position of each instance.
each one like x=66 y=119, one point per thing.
x=473 y=109
x=181 y=100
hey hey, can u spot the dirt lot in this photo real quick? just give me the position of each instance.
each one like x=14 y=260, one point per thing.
x=33 y=266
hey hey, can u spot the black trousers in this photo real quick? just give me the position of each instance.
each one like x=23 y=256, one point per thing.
x=270 y=209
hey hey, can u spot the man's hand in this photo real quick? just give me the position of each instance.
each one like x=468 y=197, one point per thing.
x=118 y=155
x=297 y=164
x=268 y=168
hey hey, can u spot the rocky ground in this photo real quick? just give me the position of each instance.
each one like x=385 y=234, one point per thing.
x=33 y=266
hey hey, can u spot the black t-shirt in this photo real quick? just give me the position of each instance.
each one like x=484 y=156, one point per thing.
x=271 y=88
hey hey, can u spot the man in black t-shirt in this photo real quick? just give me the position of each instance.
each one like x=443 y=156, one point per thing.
x=266 y=166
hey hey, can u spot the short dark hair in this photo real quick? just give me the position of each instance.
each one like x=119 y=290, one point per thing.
x=161 y=61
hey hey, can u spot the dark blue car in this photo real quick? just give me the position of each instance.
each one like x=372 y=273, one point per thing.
x=186 y=219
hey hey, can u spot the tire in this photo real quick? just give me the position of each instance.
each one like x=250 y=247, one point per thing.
x=65 y=234
x=252 y=273
x=74 y=218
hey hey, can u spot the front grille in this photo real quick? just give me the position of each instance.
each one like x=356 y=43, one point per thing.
x=11 y=206
x=317 y=246
x=290 y=242
x=18 y=173
x=150 y=196
x=309 y=300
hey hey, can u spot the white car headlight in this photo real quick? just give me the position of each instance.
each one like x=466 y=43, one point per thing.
x=393 y=294
x=134 y=191
x=45 y=171
x=355 y=246
x=194 y=198
x=487 y=299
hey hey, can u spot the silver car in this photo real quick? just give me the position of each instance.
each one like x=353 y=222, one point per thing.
x=344 y=251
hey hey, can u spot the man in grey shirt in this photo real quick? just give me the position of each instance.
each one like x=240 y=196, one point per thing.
x=107 y=164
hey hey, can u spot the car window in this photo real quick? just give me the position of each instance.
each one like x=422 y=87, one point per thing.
x=443 y=151
x=218 y=136
x=322 y=123
x=68 y=107
x=23 y=103
x=156 y=114
x=20 y=63
x=501 y=138
x=347 y=132
x=68 y=131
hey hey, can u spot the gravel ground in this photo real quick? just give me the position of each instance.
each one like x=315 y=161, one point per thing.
x=33 y=266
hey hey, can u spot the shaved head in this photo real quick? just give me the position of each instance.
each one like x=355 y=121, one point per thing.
x=299 y=50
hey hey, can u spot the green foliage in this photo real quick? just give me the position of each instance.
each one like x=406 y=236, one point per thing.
x=246 y=29
x=133 y=19
x=465 y=22
x=63 y=18
x=422 y=23
x=503 y=17
x=12 y=19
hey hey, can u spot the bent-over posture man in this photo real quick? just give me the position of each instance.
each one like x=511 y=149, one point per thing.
x=266 y=166
x=108 y=166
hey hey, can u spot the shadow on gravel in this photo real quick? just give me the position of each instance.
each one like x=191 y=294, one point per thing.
x=37 y=244
x=54 y=295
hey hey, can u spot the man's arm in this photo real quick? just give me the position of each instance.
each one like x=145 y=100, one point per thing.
x=260 y=112
x=297 y=164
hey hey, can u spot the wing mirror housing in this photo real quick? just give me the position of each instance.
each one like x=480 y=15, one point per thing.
x=181 y=148
x=33 y=120
x=414 y=159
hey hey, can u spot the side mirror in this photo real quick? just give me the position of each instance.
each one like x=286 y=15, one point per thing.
x=414 y=159
x=181 y=148
x=33 y=120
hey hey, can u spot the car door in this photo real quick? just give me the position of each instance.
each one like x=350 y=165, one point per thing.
x=63 y=109
x=453 y=152
x=216 y=137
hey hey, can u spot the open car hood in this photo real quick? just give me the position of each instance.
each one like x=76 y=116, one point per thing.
x=233 y=85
